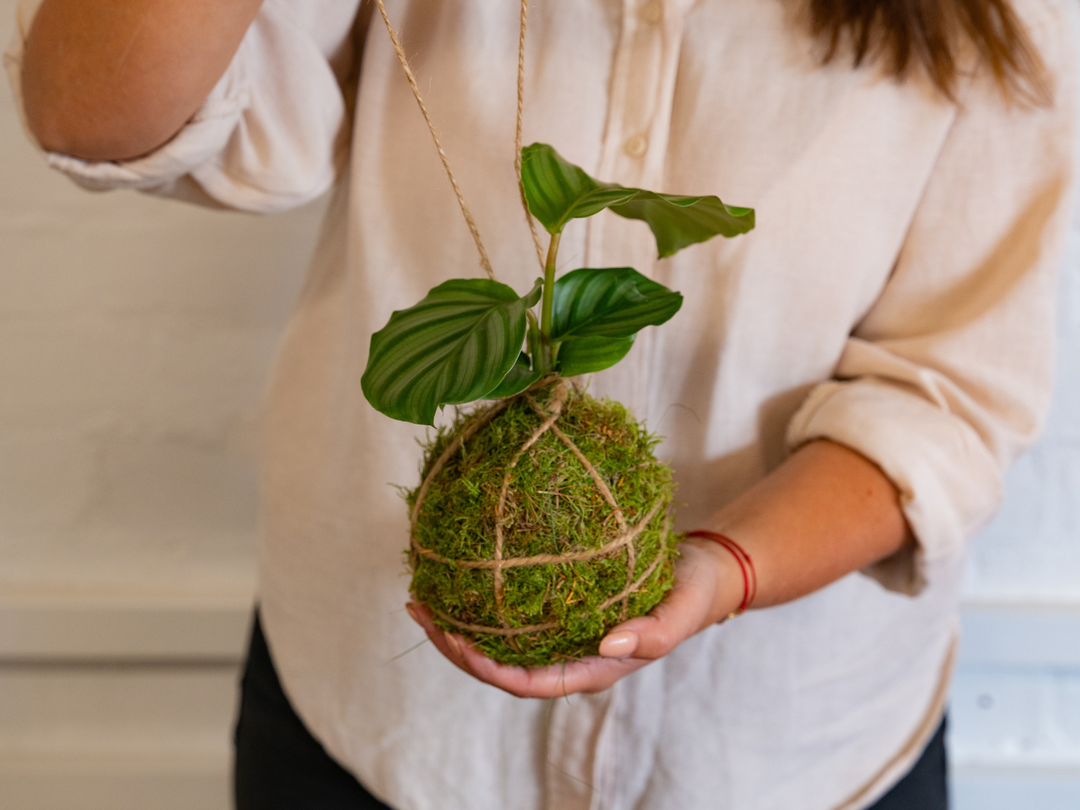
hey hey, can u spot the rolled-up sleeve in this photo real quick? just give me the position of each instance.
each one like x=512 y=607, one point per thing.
x=947 y=379
x=272 y=134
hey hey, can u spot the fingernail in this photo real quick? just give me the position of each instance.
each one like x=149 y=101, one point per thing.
x=455 y=645
x=619 y=645
x=411 y=608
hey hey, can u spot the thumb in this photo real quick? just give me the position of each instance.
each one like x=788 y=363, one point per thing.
x=684 y=612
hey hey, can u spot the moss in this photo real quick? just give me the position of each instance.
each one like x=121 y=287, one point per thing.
x=553 y=506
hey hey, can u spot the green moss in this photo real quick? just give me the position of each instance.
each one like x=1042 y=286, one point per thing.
x=553 y=506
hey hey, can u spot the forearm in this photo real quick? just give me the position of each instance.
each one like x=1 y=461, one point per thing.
x=825 y=512
x=114 y=79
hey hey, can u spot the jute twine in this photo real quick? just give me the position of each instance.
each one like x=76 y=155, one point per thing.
x=622 y=543
x=470 y=221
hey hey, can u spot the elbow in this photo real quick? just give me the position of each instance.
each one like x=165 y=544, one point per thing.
x=90 y=121
x=49 y=122
x=70 y=127
x=88 y=92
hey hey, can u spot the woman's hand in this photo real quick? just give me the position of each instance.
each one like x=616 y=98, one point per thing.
x=707 y=588
x=823 y=513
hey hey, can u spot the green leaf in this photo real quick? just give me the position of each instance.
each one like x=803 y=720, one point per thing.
x=520 y=377
x=613 y=302
x=677 y=221
x=558 y=191
x=455 y=346
x=588 y=354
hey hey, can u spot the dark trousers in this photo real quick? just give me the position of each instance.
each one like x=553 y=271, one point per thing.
x=280 y=766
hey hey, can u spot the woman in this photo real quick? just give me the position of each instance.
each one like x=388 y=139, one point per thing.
x=840 y=394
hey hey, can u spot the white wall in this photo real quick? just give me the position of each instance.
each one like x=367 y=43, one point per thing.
x=135 y=337
x=134 y=340
x=1016 y=700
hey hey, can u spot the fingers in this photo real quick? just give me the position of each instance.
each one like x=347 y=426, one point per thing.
x=588 y=675
x=686 y=610
x=619 y=644
x=449 y=645
x=559 y=680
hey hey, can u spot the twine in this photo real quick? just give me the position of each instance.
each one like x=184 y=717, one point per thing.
x=537 y=628
x=470 y=221
x=517 y=133
x=498 y=564
x=495 y=564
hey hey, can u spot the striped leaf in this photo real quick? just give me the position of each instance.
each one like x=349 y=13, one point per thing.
x=612 y=302
x=520 y=377
x=677 y=221
x=455 y=346
x=558 y=191
x=588 y=354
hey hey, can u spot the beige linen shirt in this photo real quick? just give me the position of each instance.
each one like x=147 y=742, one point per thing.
x=896 y=297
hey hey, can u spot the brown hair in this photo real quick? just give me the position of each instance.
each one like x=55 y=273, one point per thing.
x=927 y=34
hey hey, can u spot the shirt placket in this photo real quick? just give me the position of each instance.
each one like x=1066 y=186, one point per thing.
x=581 y=746
x=634 y=153
x=642 y=89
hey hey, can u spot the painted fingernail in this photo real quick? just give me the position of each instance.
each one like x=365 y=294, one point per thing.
x=454 y=643
x=619 y=645
x=411 y=608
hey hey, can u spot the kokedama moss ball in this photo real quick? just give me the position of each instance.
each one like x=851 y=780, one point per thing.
x=519 y=545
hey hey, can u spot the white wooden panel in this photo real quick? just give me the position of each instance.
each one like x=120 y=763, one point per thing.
x=113 y=783
x=1019 y=789
x=112 y=701
x=121 y=710
x=123 y=628
x=1014 y=737
x=1020 y=635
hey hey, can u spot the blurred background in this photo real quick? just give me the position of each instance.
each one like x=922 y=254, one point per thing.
x=135 y=339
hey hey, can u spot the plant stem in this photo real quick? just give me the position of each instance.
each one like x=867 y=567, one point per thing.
x=549 y=293
x=533 y=338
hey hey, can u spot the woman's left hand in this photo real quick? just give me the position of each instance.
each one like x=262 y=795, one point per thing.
x=705 y=591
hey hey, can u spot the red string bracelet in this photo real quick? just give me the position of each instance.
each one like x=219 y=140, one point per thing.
x=746 y=565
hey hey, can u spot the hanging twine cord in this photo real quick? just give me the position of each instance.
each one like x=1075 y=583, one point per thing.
x=497 y=564
x=517 y=133
x=485 y=262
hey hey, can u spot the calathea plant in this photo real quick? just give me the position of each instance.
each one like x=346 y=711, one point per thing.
x=541 y=519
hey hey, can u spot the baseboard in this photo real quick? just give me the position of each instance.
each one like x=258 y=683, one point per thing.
x=1004 y=788
x=1014 y=741
x=119 y=698
x=115 y=783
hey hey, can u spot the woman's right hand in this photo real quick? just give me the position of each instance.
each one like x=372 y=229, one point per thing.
x=707 y=588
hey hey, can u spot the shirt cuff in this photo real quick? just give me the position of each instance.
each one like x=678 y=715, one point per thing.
x=196 y=144
x=948 y=481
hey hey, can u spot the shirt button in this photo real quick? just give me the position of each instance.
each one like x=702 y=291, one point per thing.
x=636 y=145
x=652 y=12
